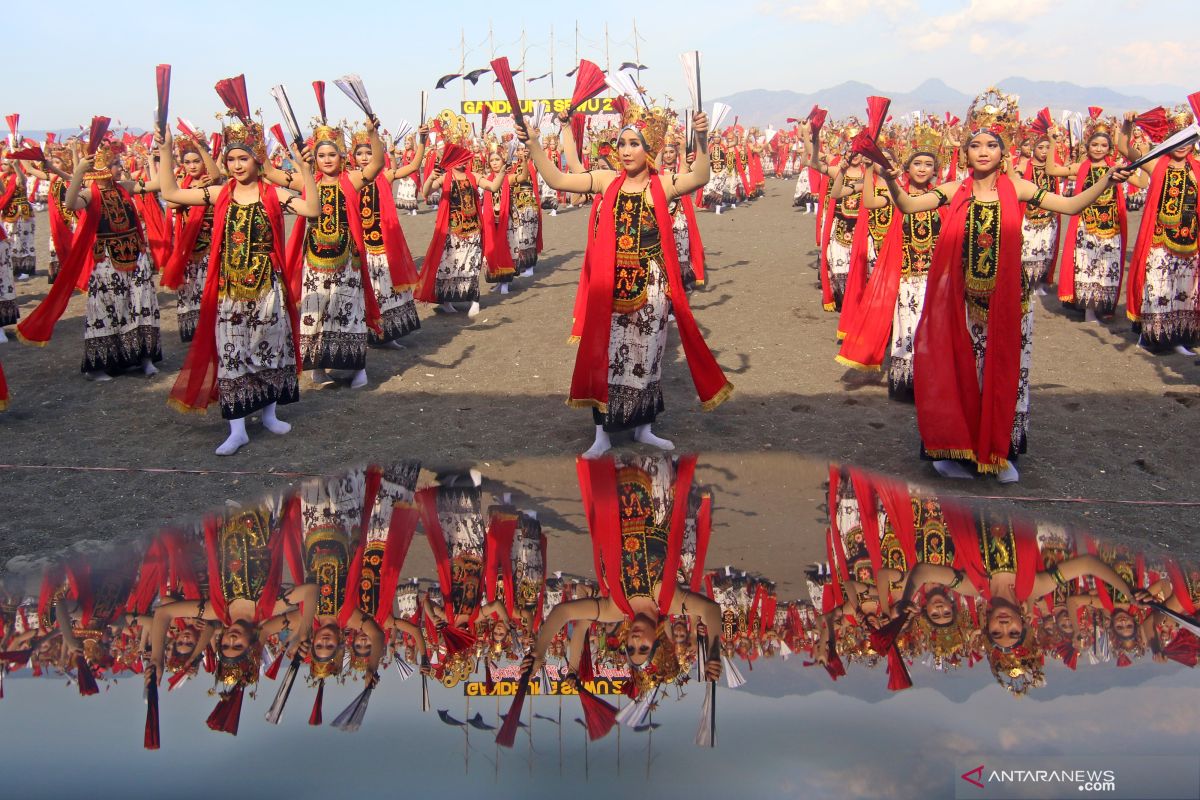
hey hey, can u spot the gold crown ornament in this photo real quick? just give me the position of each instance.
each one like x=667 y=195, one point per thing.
x=651 y=124
x=248 y=136
x=107 y=155
x=1179 y=118
x=994 y=112
x=1018 y=670
x=359 y=137
x=64 y=154
x=324 y=133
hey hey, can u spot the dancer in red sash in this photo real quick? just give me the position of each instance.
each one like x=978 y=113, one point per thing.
x=634 y=284
x=188 y=264
x=244 y=351
x=974 y=346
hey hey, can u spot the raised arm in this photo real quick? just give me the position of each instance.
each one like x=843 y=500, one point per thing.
x=77 y=197
x=1077 y=203
x=688 y=182
x=549 y=172
x=308 y=206
x=418 y=157
x=367 y=174
x=567 y=136
x=911 y=204
x=168 y=186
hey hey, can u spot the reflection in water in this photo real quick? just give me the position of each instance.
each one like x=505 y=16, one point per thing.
x=391 y=576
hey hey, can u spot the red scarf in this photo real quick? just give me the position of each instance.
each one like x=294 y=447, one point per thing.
x=825 y=215
x=76 y=261
x=158 y=231
x=956 y=418
x=3 y=390
x=585 y=276
x=457 y=638
x=537 y=198
x=598 y=488
x=11 y=184
x=400 y=261
x=427 y=289
x=497 y=565
x=196 y=385
x=695 y=243
x=589 y=382
x=1028 y=175
x=1141 y=248
x=961 y=522
x=296 y=251
x=187 y=231
x=60 y=230
x=1066 y=280
x=278 y=546
x=497 y=256
x=856 y=276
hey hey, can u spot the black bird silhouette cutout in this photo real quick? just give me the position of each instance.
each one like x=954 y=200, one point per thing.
x=478 y=723
x=631 y=65
x=442 y=81
x=539 y=77
x=449 y=720
x=473 y=75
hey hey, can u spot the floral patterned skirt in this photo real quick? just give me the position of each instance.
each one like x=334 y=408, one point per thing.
x=1040 y=242
x=9 y=313
x=187 y=305
x=1097 y=271
x=333 y=324
x=910 y=300
x=256 y=357
x=522 y=236
x=21 y=238
x=683 y=246
x=457 y=278
x=397 y=310
x=406 y=194
x=1169 y=313
x=120 y=327
x=636 y=343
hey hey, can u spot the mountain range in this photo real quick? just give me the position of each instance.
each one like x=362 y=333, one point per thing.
x=762 y=107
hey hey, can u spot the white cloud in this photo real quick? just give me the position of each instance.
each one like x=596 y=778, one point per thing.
x=1159 y=57
x=839 y=12
x=931 y=33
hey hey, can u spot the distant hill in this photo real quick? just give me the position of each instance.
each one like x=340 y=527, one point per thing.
x=763 y=107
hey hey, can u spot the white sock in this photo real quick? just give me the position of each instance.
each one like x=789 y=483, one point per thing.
x=1089 y=315
x=359 y=380
x=1009 y=474
x=952 y=469
x=718 y=208
x=449 y=308
x=320 y=377
x=148 y=367
x=99 y=376
x=271 y=422
x=504 y=288
x=527 y=272
x=601 y=445
x=237 y=437
x=1183 y=350
x=643 y=434
x=473 y=311
x=3 y=337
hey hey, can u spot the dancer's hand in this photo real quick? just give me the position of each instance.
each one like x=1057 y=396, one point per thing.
x=700 y=122
x=1119 y=174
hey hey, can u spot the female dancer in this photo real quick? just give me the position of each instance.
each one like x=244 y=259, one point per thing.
x=683 y=212
x=633 y=285
x=500 y=221
x=17 y=215
x=974 y=347
x=1039 y=231
x=406 y=190
x=56 y=172
x=450 y=273
x=389 y=261
x=186 y=269
x=1162 y=293
x=336 y=307
x=121 y=326
x=244 y=351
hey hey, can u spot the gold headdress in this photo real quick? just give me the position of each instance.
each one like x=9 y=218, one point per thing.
x=248 y=136
x=995 y=113
x=107 y=155
x=651 y=124
x=455 y=128
x=1179 y=118
x=359 y=137
x=324 y=133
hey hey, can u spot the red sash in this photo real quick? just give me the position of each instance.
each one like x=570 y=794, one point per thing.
x=400 y=261
x=427 y=289
x=956 y=418
x=3 y=390
x=497 y=256
x=589 y=382
x=695 y=243
x=1141 y=248
x=585 y=275
x=1066 y=280
x=196 y=385
x=825 y=214
x=537 y=196
x=961 y=521
x=457 y=639
x=38 y=327
x=60 y=231
x=264 y=607
x=187 y=231
x=158 y=231
x=856 y=276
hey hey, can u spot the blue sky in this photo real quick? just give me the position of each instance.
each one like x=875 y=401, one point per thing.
x=67 y=76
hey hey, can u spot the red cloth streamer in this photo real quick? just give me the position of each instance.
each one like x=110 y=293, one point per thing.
x=162 y=78
x=1154 y=123
x=228 y=712
x=98 y=132
x=319 y=90
x=32 y=153
x=507 y=735
x=232 y=92
x=504 y=77
x=277 y=132
x=151 y=740
x=589 y=82
x=877 y=108
x=315 y=717
x=84 y=677
x=1041 y=124
x=1095 y=111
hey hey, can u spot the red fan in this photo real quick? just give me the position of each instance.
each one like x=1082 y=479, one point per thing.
x=1194 y=101
x=1041 y=124
x=33 y=153
x=50 y=137
x=97 y=134
x=162 y=77
x=186 y=129
x=877 y=108
x=1154 y=123
x=504 y=77
x=792 y=120
x=483 y=114
x=319 y=89
x=589 y=82
x=1095 y=111
x=884 y=641
x=151 y=739
x=577 y=124
x=227 y=713
x=816 y=118
x=507 y=735
x=13 y=121
x=277 y=132
x=620 y=105
x=232 y=92
x=216 y=143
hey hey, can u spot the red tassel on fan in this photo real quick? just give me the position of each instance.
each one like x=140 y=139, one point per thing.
x=228 y=712
x=620 y=105
x=1095 y=111
x=1041 y=124
x=504 y=77
x=598 y=715
x=884 y=641
x=315 y=717
x=151 y=739
x=1154 y=123
x=98 y=132
x=507 y=735
x=877 y=108
x=483 y=116
x=84 y=677
x=1184 y=648
x=455 y=156
x=232 y=92
x=319 y=89
x=210 y=660
x=589 y=82
x=273 y=670
x=864 y=144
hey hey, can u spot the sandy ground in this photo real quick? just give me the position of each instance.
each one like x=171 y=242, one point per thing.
x=1112 y=427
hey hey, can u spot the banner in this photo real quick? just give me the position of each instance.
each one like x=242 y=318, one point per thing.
x=597 y=105
x=508 y=688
